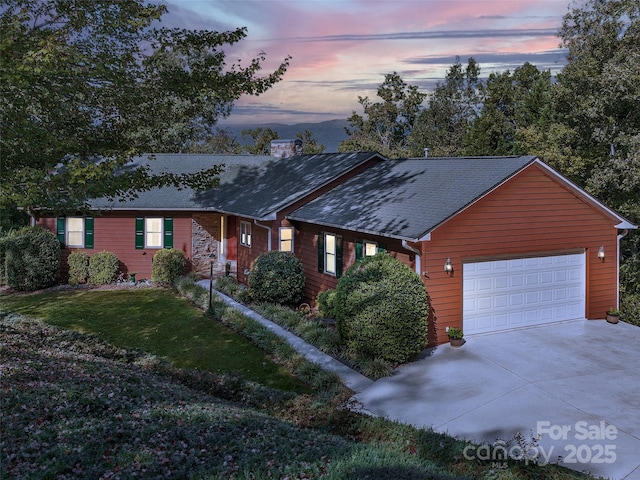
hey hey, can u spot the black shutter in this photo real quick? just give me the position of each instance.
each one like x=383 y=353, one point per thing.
x=139 y=233
x=168 y=232
x=321 y=252
x=88 y=232
x=338 y=256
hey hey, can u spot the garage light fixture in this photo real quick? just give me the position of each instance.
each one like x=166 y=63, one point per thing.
x=448 y=267
x=601 y=253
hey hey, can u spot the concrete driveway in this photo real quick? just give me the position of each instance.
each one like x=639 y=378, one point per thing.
x=577 y=383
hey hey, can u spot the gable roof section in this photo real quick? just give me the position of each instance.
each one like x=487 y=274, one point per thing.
x=172 y=198
x=259 y=194
x=408 y=198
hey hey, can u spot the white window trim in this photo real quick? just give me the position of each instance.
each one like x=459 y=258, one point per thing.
x=328 y=254
x=68 y=231
x=147 y=232
x=245 y=237
x=290 y=240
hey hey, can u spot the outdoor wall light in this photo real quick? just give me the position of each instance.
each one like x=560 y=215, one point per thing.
x=247 y=271
x=448 y=267
x=601 y=253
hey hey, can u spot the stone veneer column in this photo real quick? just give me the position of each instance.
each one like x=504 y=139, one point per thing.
x=206 y=237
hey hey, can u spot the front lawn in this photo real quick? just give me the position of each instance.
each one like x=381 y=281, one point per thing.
x=156 y=321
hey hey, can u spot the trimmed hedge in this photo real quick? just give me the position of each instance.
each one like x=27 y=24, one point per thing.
x=78 y=267
x=277 y=277
x=31 y=259
x=326 y=303
x=168 y=265
x=103 y=268
x=381 y=309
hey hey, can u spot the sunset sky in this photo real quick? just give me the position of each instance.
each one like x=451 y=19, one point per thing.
x=341 y=49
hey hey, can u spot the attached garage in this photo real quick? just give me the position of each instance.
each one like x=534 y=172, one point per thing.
x=520 y=292
x=499 y=242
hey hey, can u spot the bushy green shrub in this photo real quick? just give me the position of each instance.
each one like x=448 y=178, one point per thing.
x=381 y=309
x=4 y=243
x=168 y=265
x=277 y=277
x=31 y=259
x=103 y=268
x=78 y=262
x=326 y=303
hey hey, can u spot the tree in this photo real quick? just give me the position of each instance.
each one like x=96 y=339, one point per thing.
x=89 y=80
x=385 y=126
x=512 y=103
x=598 y=97
x=310 y=145
x=598 y=105
x=453 y=106
x=261 y=140
x=220 y=142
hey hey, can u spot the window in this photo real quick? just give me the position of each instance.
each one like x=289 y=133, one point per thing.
x=154 y=232
x=330 y=254
x=370 y=248
x=367 y=248
x=245 y=234
x=75 y=232
x=286 y=239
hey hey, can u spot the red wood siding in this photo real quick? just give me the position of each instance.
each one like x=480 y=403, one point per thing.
x=306 y=249
x=247 y=255
x=115 y=232
x=530 y=215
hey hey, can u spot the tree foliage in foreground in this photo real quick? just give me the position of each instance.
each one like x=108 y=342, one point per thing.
x=88 y=79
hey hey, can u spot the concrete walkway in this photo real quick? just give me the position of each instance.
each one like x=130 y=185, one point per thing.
x=350 y=378
x=577 y=383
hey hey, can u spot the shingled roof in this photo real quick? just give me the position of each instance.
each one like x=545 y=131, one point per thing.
x=408 y=198
x=254 y=186
x=171 y=198
x=279 y=183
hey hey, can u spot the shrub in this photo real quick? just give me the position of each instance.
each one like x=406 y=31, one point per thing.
x=381 y=309
x=326 y=303
x=4 y=245
x=103 y=268
x=78 y=267
x=31 y=259
x=168 y=265
x=277 y=277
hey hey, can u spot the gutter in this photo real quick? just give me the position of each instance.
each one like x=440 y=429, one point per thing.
x=268 y=233
x=406 y=246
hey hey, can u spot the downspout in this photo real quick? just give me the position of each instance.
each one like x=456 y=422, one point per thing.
x=268 y=234
x=620 y=237
x=406 y=246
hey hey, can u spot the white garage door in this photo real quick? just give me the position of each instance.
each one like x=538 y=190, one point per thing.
x=507 y=294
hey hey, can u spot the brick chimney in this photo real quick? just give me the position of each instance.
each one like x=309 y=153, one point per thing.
x=286 y=148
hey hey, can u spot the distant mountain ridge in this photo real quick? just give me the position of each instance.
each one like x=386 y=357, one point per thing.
x=328 y=133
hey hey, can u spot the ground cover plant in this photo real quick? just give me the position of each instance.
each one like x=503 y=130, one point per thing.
x=76 y=407
x=157 y=321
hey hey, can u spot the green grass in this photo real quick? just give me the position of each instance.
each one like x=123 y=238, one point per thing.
x=159 y=322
